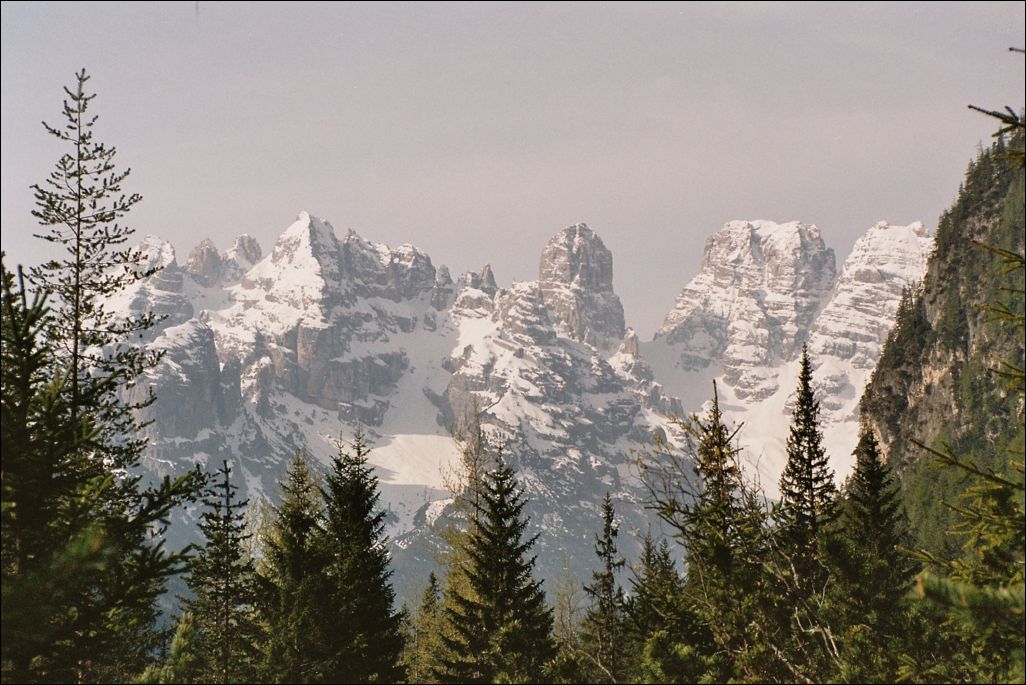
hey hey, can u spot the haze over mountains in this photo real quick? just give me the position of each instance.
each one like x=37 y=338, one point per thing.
x=268 y=353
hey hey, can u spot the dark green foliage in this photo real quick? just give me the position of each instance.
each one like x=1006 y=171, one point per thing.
x=603 y=631
x=964 y=486
x=501 y=628
x=222 y=580
x=292 y=583
x=424 y=643
x=953 y=334
x=807 y=489
x=663 y=628
x=872 y=575
x=362 y=630
x=721 y=524
x=75 y=503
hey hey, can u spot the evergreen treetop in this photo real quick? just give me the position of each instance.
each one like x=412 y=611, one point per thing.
x=501 y=630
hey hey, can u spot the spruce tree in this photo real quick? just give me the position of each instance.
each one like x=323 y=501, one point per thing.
x=81 y=205
x=365 y=643
x=53 y=547
x=664 y=634
x=873 y=576
x=222 y=580
x=292 y=583
x=807 y=490
x=603 y=629
x=797 y=620
x=721 y=525
x=500 y=631
x=421 y=650
x=91 y=363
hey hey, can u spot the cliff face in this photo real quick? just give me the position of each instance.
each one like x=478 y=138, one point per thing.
x=763 y=291
x=325 y=334
x=936 y=383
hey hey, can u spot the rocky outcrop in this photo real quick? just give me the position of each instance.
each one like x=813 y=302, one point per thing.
x=204 y=264
x=763 y=291
x=752 y=303
x=575 y=275
x=267 y=354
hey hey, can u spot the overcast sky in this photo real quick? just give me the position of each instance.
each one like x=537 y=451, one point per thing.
x=476 y=131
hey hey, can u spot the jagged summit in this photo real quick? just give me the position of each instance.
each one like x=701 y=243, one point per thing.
x=763 y=290
x=265 y=353
x=575 y=275
x=751 y=304
x=577 y=257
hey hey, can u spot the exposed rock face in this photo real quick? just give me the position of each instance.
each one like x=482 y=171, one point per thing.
x=324 y=335
x=204 y=264
x=751 y=305
x=240 y=257
x=576 y=279
x=327 y=334
x=763 y=291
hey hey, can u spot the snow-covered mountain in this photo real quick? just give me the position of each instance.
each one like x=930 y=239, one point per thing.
x=263 y=356
x=267 y=354
x=764 y=290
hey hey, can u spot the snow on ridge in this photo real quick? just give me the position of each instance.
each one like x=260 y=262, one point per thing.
x=764 y=289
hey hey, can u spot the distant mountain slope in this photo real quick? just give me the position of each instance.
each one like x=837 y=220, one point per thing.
x=763 y=291
x=265 y=354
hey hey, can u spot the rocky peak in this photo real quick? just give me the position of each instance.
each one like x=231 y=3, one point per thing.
x=483 y=280
x=577 y=257
x=575 y=275
x=630 y=345
x=854 y=323
x=157 y=253
x=245 y=250
x=240 y=257
x=204 y=263
x=760 y=286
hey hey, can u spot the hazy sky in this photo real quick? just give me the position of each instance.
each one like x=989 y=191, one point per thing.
x=476 y=131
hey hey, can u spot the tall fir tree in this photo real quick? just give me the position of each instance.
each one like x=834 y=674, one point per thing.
x=366 y=643
x=873 y=576
x=807 y=490
x=603 y=630
x=423 y=646
x=92 y=364
x=665 y=638
x=721 y=524
x=500 y=631
x=222 y=579
x=292 y=583
x=798 y=624
x=53 y=548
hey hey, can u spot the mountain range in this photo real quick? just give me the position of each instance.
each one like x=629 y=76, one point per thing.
x=266 y=354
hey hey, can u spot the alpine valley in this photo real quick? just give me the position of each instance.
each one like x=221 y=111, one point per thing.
x=328 y=334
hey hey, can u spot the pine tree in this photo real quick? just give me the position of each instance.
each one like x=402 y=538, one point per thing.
x=222 y=579
x=292 y=583
x=53 y=549
x=664 y=633
x=366 y=643
x=873 y=577
x=423 y=646
x=798 y=624
x=721 y=524
x=85 y=574
x=91 y=467
x=501 y=631
x=807 y=490
x=603 y=629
